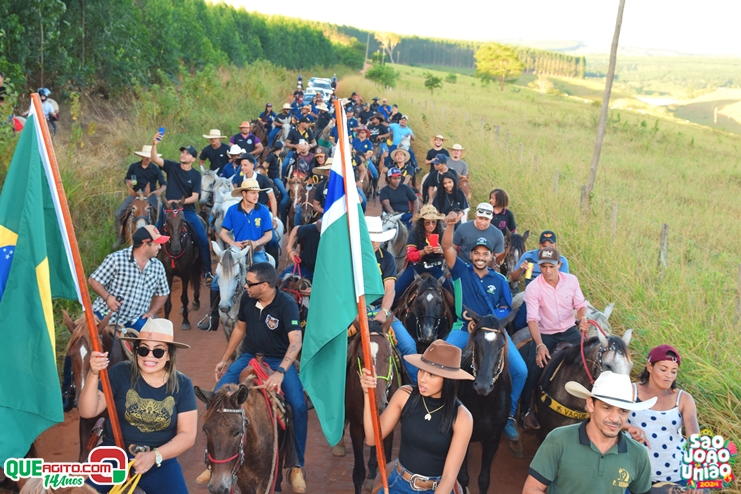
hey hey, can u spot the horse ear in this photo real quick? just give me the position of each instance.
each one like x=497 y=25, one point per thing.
x=68 y=321
x=244 y=252
x=470 y=315
x=182 y=201
x=441 y=279
x=627 y=336
x=525 y=235
x=417 y=277
x=608 y=310
x=602 y=339
x=104 y=322
x=146 y=190
x=217 y=249
x=203 y=395
x=507 y=233
x=387 y=324
x=242 y=394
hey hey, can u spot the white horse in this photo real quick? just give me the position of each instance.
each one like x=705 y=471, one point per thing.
x=397 y=246
x=231 y=273
x=406 y=142
x=208 y=179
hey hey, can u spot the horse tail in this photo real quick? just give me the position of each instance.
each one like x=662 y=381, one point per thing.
x=288 y=456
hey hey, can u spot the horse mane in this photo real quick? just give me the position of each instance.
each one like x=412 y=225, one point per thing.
x=80 y=331
x=572 y=354
x=223 y=398
x=228 y=263
x=516 y=242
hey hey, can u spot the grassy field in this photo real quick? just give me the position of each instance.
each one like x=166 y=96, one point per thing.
x=656 y=171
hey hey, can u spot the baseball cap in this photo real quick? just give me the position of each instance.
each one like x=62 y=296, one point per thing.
x=548 y=236
x=661 y=352
x=549 y=255
x=148 y=233
x=394 y=172
x=440 y=159
x=404 y=117
x=483 y=241
x=304 y=120
x=190 y=149
x=484 y=209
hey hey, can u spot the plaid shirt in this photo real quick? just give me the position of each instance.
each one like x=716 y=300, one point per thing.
x=121 y=277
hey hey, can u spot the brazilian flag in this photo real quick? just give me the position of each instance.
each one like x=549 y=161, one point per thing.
x=35 y=266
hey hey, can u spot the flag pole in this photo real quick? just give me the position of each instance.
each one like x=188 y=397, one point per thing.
x=362 y=311
x=79 y=271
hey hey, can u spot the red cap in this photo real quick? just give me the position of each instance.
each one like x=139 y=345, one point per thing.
x=149 y=233
x=661 y=352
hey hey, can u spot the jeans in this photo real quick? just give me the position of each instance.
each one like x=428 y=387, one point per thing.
x=285 y=199
x=166 y=478
x=271 y=136
x=286 y=160
x=520 y=320
x=407 y=277
x=397 y=484
x=529 y=352
x=292 y=389
x=404 y=343
x=200 y=233
x=517 y=367
x=363 y=199
x=407 y=219
x=372 y=169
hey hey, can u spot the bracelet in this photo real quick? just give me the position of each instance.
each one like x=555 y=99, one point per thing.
x=281 y=370
x=387 y=312
x=540 y=345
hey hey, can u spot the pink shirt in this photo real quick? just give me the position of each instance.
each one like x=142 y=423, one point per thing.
x=553 y=308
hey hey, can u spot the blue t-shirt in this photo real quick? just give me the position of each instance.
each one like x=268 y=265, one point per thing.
x=181 y=183
x=399 y=132
x=248 y=226
x=362 y=146
x=532 y=256
x=230 y=169
x=148 y=416
x=472 y=291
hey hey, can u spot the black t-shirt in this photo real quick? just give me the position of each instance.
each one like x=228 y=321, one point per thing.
x=504 y=219
x=308 y=239
x=377 y=130
x=365 y=116
x=398 y=198
x=274 y=164
x=181 y=183
x=267 y=329
x=248 y=143
x=387 y=268
x=434 y=152
x=217 y=158
x=320 y=193
x=322 y=120
x=148 y=416
x=446 y=203
x=283 y=119
x=395 y=118
x=434 y=178
x=151 y=175
x=294 y=136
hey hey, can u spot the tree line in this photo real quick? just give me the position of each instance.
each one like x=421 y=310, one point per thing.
x=546 y=62
x=111 y=44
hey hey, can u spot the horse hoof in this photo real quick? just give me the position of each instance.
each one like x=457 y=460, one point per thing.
x=368 y=485
x=339 y=449
x=196 y=306
x=185 y=326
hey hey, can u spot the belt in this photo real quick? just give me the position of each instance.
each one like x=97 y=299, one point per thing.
x=416 y=482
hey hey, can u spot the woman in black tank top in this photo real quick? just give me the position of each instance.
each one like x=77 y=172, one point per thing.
x=435 y=426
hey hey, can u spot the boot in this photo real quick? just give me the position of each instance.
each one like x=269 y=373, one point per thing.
x=68 y=398
x=212 y=323
x=297 y=479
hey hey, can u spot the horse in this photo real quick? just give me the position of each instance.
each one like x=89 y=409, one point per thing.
x=553 y=406
x=79 y=349
x=487 y=397
x=426 y=309
x=181 y=258
x=514 y=247
x=397 y=246
x=231 y=272
x=222 y=202
x=141 y=213
x=299 y=288
x=257 y=127
x=465 y=185
x=245 y=448
x=298 y=192
x=388 y=367
x=208 y=187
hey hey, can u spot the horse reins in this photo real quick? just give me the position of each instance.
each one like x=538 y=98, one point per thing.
x=583 y=338
x=240 y=453
x=184 y=233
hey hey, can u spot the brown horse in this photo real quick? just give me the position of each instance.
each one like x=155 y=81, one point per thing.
x=426 y=310
x=181 y=258
x=243 y=442
x=79 y=349
x=299 y=288
x=298 y=190
x=141 y=213
x=465 y=185
x=257 y=127
x=514 y=247
x=388 y=366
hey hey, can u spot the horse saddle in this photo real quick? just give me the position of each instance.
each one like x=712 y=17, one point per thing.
x=276 y=399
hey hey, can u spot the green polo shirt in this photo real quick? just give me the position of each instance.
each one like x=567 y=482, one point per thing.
x=568 y=462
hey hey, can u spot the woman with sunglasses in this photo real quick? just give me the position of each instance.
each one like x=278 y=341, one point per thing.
x=435 y=426
x=155 y=405
x=424 y=254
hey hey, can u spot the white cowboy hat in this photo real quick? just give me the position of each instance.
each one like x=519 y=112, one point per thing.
x=322 y=170
x=247 y=184
x=146 y=152
x=375 y=230
x=457 y=147
x=214 y=134
x=613 y=389
x=159 y=330
x=286 y=106
x=407 y=157
x=235 y=150
x=322 y=106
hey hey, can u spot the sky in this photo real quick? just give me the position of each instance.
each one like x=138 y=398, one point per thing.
x=693 y=27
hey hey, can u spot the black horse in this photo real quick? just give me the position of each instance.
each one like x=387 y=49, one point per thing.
x=426 y=310
x=181 y=258
x=487 y=397
x=514 y=247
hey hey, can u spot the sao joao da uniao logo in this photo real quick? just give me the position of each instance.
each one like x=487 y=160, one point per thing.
x=708 y=461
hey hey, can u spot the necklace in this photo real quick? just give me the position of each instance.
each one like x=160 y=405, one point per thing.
x=428 y=416
x=164 y=379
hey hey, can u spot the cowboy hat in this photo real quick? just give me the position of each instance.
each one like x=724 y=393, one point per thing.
x=214 y=134
x=457 y=147
x=321 y=170
x=146 y=152
x=400 y=150
x=441 y=359
x=438 y=136
x=158 y=330
x=375 y=229
x=428 y=212
x=379 y=116
x=245 y=124
x=247 y=184
x=613 y=389
x=322 y=106
x=235 y=150
x=286 y=106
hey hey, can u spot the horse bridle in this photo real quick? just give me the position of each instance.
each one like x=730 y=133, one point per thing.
x=500 y=367
x=437 y=319
x=239 y=455
x=183 y=236
x=389 y=377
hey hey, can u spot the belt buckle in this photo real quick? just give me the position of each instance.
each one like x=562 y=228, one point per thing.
x=413 y=482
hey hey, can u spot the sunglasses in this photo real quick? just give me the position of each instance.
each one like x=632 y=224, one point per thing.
x=250 y=285
x=483 y=212
x=143 y=351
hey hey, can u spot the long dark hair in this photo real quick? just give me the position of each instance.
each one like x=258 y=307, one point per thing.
x=442 y=194
x=450 y=404
x=420 y=237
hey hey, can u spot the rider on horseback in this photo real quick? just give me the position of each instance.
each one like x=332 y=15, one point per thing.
x=301 y=133
x=397 y=197
x=247 y=140
x=456 y=163
x=434 y=182
x=140 y=177
x=268 y=117
x=363 y=146
x=184 y=181
x=437 y=149
x=550 y=321
x=215 y=152
x=232 y=168
x=283 y=119
x=399 y=131
x=484 y=291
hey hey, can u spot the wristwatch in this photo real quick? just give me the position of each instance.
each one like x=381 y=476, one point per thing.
x=281 y=370
x=157 y=457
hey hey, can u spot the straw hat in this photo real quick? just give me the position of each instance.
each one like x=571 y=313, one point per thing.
x=322 y=106
x=375 y=229
x=441 y=359
x=322 y=170
x=432 y=139
x=235 y=150
x=457 y=147
x=245 y=124
x=146 y=152
x=286 y=106
x=613 y=389
x=247 y=184
x=214 y=134
x=400 y=150
x=428 y=212
x=157 y=330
